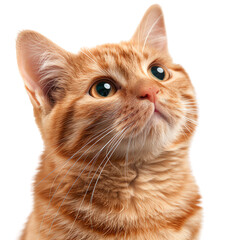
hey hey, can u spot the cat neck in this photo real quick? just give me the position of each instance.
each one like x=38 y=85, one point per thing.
x=138 y=192
x=116 y=180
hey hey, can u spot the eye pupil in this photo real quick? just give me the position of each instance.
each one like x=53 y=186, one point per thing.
x=158 y=72
x=103 y=89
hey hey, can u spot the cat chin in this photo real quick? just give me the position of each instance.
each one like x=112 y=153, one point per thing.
x=156 y=136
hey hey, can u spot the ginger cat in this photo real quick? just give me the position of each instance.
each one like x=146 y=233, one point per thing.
x=116 y=122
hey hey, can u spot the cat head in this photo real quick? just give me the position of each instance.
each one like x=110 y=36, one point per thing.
x=115 y=98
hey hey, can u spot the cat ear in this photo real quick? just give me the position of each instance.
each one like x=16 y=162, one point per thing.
x=151 y=31
x=42 y=65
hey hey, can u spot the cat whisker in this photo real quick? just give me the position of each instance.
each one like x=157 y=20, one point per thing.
x=192 y=105
x=91 y=58
x=191 y=114
x=187 y=128
x=104 y=70
x=112 y=150
x=66 y=160
x=112 y=140
x=95 y=157
x=191 y=120
x=190 y=102
x=146 y=132
x=92 y=139
x=190 y=109
x=157 y=40
x=92 y=160
x=150 y=30
x=126 y=158
x=69 y=171
x=183 y=132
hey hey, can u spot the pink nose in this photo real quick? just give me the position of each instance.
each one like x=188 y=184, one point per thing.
x=149 y=93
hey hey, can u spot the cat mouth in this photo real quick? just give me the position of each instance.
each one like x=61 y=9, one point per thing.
x=159 y=114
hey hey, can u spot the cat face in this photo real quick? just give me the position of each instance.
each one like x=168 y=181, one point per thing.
x=115 y=98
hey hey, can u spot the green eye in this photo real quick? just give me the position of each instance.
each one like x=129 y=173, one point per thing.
x=158 y=72
x=102 y=89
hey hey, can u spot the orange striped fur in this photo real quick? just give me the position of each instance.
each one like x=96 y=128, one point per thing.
x=113 y=167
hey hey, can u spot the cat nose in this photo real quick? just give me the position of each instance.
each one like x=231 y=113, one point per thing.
x=149 y=93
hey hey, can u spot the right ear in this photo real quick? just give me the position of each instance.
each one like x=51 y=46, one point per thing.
x=151 y=30
x=43 y=66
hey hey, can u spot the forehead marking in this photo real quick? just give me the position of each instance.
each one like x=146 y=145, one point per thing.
x=121 y=62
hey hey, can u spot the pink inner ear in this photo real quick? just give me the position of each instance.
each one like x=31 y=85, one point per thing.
x=29 y=68
x=42 y=66
x=151 y=31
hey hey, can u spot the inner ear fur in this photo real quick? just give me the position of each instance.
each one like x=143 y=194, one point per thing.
x=44 y=68
x=151 y=30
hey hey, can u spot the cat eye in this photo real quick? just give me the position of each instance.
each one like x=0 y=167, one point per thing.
x=102 y=89
x=159 y=72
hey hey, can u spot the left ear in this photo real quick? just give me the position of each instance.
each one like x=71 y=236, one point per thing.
x=151 y=31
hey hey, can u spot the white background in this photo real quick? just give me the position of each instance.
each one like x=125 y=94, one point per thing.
x=203 y=37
